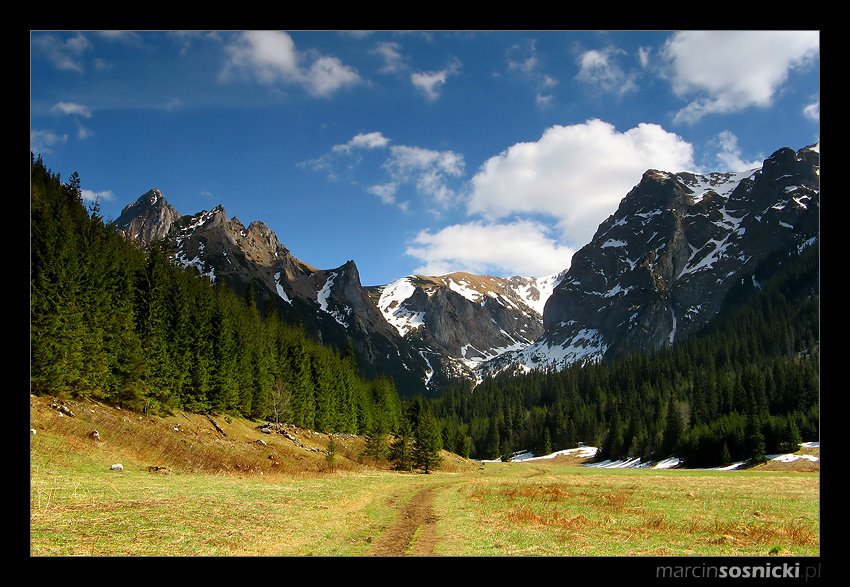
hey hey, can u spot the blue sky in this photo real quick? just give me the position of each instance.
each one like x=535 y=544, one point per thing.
x=494 y=152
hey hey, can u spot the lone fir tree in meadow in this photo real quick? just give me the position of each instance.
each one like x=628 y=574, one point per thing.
x=427 y=443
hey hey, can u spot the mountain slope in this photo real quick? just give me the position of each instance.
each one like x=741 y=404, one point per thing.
x=468 y=319
x=662 y=265
x=423 y=331
x=331 y=305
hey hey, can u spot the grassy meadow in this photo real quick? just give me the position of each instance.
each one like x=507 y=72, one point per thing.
x=195 y=486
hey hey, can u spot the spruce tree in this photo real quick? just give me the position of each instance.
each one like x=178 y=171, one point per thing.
x=401 y=449
x=427 y=443
x=376 y=441
x=754 y=435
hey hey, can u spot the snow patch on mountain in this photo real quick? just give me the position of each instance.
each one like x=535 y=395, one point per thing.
x=391 y=304
x=322 y=299
x=279 y=289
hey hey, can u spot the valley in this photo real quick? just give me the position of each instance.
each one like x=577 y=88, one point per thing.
x=428 y=294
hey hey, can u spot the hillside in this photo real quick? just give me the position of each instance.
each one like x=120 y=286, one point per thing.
x=190 y=443
x=98 y=436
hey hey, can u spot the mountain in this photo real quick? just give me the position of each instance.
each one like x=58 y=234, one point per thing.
x=657 y=270
x=466 y=319
x=331 y=305
x=670 y=258
x=147 y=219
x=422 y=331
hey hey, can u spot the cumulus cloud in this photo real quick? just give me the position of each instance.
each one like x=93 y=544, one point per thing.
x=523 y=247
x=271 y=57
x=534 y=204
x=530 y=207
x=575 y=175
x=727 y=71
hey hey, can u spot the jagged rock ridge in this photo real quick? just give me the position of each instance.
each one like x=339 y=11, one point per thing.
x=468 y=319
x=440 y=329
x=655 y=271
x=661 y=266
x=330 y=304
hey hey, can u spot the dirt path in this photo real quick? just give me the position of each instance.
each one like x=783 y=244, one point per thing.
x=414 y=532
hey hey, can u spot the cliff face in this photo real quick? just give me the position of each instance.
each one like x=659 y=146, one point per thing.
x=147 y=219
x=467 y=319
x=661 y=267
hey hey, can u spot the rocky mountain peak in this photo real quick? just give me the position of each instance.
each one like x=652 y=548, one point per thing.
x=661 y=266
x=147 y=219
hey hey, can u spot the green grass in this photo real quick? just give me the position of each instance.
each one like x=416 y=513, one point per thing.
x=213 y=496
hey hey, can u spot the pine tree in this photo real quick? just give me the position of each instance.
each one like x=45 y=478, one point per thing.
x=674 y=427
x=377 y=441
x=401 y=449
x=330 y=454
x=754 y=435
x=427 y=443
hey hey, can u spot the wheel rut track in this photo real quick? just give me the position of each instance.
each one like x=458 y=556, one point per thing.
x=414 y=532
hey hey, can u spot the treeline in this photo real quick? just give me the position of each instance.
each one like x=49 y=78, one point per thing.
x=746 y=387
x=112 y=322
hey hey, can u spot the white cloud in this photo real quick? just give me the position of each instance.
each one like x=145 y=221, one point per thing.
x=523 y=59
x=726 y=71
x=91 y=196
x=730 y=154
x=540 y=201
x=385 y=192
x=271 y=57
x=575 y=175
x=65 y=55
x=812 y=111
x=372 y=140
x=390 y=52
x=42 y=141
x=599 y=68
x=428 y=170
x=522 y=248
x=72 y=109
x=430 y=83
